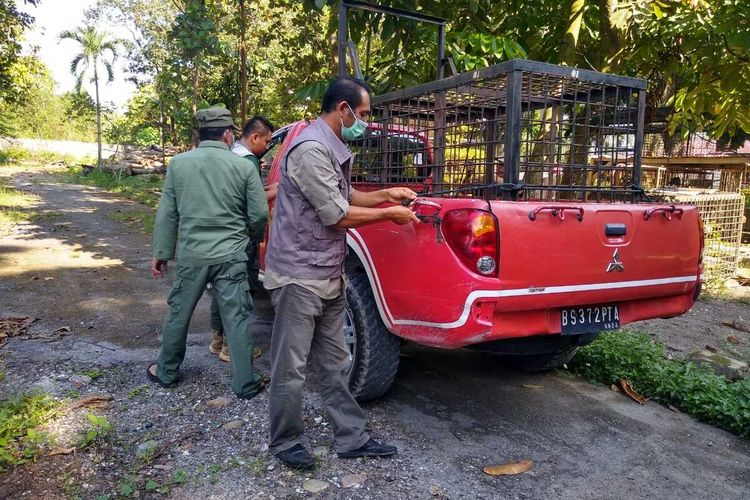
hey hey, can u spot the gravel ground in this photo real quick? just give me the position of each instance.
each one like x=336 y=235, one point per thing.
x=449 y=412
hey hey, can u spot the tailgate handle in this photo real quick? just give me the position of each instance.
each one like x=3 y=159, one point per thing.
x=615 y=230
x=557 y=211
x=667 y=211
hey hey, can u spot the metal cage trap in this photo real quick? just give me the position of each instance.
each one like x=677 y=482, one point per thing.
x=517 y=130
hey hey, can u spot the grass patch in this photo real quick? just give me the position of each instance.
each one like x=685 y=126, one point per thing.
x=19 y=417
x=93 y=373
x=145 y=189
x=13 y=154
x=699 y=392
x=15 y=206
x=135 y=392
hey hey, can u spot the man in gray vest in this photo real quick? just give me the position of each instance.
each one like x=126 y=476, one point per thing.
x=304 y=263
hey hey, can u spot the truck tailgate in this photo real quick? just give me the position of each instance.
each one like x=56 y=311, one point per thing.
x=568 y=254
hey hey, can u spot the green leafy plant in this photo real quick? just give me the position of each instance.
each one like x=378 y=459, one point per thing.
x=99 y=428
x=698 y=392
x=127 y=488
x=93 y=374
x=135 y=392
x=180 y=476
x=20 y=442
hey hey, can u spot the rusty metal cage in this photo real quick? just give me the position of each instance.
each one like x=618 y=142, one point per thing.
x=516 y=130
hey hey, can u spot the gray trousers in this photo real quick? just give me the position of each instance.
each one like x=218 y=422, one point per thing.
x=305 y=324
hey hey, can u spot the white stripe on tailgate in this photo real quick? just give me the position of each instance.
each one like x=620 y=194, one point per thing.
x=356 y=242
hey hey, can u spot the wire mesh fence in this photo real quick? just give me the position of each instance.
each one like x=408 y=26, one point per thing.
x=520 y=129
x=723 y=215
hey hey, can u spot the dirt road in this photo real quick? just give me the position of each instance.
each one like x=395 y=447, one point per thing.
x=450 y=413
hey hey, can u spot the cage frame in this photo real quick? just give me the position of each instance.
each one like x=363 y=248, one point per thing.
x=514 y=70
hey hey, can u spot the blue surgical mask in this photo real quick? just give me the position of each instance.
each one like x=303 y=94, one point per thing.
x=356 y=131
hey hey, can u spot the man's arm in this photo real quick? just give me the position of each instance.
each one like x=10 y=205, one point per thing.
x=309 y=167
x=257 y=206
x=165 y=227
x=375 y=198
x=362 y=216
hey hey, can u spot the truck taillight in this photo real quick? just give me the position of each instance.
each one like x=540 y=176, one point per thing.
x=472 y=235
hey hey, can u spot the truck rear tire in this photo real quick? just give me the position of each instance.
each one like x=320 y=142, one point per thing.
x=374 y=350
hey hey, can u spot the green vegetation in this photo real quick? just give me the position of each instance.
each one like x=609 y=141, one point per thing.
x=696 y=391
x=20 y=442
x=15 y=206
x=93 y=373
x=144 y=189
x=13 y=155
x=141 y=390
x=257 y=465
x=99 y=428
x=97 y=48
x=275 y=58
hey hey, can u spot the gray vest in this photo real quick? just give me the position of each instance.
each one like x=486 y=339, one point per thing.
x=300 y=246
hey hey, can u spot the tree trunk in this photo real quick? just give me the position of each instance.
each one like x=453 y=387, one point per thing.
x=196 y=85
x=570 y=41
x=98 y=118
x=243 y=63
x=610 y=40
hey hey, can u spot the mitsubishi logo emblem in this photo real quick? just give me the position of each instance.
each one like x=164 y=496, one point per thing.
x=616 y=264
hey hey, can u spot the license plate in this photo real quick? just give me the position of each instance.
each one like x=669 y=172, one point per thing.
x=589 y=319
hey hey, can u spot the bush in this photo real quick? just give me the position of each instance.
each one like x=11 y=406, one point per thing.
x=698 y=392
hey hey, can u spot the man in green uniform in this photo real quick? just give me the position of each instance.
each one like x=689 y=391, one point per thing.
x=256 y=136
x=212 y=198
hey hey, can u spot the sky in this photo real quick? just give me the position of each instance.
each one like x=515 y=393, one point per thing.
x=54 y=16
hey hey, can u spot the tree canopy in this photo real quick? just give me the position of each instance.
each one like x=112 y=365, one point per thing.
x=185 y=54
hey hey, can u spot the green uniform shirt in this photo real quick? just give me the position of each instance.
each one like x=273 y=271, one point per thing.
x=212 y=199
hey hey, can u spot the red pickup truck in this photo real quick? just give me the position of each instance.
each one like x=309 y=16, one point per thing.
x=534 y=235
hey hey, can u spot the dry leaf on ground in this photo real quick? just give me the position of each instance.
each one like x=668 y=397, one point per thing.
x=256 y=352
x=737 y=326
x=14 y=327
x=61 y=451
x=532 y=386
x=508 y=469
x=733 y=339
x=97 y=401
x=627 y=389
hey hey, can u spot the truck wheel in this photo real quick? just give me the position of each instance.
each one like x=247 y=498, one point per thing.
x=544 y=362
x=374 y=351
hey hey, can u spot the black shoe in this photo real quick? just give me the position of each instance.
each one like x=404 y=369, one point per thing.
x=251 y=395
x=296 y=457
x=156 y=380
x=371 y=449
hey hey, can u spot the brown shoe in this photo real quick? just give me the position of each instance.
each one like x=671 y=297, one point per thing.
x=224 y=353
x=217 y=342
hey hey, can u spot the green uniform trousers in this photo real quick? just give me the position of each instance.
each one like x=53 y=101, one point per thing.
x=231 y=288
x=253 y=269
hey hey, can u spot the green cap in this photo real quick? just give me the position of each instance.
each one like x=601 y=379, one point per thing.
x=214 y=117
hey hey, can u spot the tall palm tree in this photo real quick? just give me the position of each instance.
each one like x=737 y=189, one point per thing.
x=97 y=49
